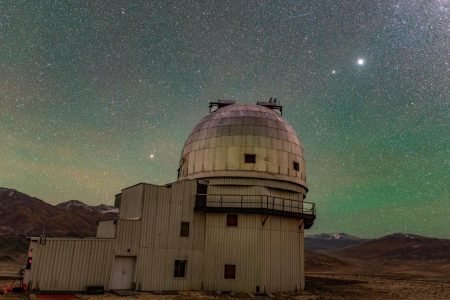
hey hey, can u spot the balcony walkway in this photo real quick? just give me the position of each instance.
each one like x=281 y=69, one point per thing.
x=257 y=204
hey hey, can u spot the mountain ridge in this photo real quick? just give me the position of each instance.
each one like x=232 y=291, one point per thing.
x=24 y=215
x=331 y=241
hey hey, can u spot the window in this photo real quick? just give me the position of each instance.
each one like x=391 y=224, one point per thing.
x=232 y=220
x=202 y=187
x=250 y=158
x=202 y=191
x=180 y=268
x=296 y=166
x=184 y=230
x=229 y=272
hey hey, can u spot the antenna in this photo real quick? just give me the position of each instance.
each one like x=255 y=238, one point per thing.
x=43 y=238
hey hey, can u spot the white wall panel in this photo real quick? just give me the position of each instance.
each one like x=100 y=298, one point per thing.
x=106 y=229
x=71 y=264
x=131 y=202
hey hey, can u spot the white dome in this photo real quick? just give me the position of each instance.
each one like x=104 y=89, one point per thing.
x=243 y=141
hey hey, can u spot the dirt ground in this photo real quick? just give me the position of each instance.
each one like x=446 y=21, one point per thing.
x=384 y=281
x=318 y=286
x=333 y=286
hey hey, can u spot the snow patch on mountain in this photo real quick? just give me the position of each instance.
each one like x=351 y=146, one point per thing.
x=334 y=236
x=68 y=205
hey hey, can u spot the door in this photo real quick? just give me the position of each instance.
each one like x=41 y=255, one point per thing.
x=123 y=273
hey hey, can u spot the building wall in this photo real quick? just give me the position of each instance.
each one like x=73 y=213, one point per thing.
x=282 y=255
x=131 y=202
x=106 y=229
x=267 y=250
x=71 y=264
x=252 y=246
x=127 y=238
x=275 y=184
x=164 y=208
x=266 y=255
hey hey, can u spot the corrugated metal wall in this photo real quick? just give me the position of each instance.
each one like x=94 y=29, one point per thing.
x=282 y=242
x=128 y=236
x=164 y=208
x=131 y=202
x=269 y=256
x=71 y=265
x=106 y=229
x=283 y=185
x=266 y=256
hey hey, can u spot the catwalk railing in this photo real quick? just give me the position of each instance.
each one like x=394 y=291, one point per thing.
x=260 y=204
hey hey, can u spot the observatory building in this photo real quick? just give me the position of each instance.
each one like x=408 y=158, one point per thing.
x=233 y=221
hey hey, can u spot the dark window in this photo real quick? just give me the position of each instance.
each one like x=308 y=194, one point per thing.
x=230 y=272
x=180 y=268
x=202 y=187
x=202 y=190
x=296 y=166
x=184 y=231
x=232 y=220
x=250 y=158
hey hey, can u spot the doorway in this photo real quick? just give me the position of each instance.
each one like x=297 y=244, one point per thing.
x=123 y=273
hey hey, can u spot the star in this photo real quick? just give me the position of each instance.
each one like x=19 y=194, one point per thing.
x=118 y=84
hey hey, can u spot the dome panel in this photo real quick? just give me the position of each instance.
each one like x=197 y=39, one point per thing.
x=221 y=141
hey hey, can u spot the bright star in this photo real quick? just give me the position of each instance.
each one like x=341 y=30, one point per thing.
x=361 y=61
x=333 y=72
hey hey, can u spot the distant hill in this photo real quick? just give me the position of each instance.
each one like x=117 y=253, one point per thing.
x=13 y=249
x=88 y=212
x=23 y=215
x=331 y=241
x=399 y=246
x=319 y=262
x=399 y=255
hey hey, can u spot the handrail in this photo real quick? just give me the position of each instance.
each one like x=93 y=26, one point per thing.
x=266 y=202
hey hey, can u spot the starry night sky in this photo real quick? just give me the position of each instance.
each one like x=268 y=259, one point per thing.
x=97 y=96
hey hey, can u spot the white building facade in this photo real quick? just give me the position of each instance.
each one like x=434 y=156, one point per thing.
x=233 y=221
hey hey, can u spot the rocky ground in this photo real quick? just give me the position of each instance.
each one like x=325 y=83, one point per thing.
x=318 y=286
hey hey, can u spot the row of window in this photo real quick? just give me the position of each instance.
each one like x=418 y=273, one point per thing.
x=181 y=265
x=251 y=159
x=232 y=221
